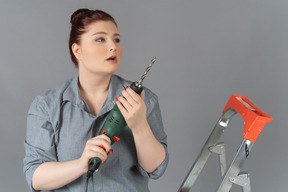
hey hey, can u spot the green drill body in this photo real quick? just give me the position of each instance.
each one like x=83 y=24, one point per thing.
x=114 y=124
x=113 y=127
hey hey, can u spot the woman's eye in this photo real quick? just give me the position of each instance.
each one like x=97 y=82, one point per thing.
x=100 y=39
x=117 y=40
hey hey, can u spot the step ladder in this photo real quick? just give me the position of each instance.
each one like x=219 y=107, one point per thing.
x=254 y=122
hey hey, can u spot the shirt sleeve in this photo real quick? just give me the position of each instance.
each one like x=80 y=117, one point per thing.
x=155 y=122
x=39 y=144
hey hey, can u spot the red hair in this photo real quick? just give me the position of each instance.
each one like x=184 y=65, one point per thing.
x=80 y=20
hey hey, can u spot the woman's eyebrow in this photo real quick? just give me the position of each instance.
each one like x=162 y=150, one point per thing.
x=104 y=33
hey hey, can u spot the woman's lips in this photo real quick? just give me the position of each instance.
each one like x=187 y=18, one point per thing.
x=112 y=59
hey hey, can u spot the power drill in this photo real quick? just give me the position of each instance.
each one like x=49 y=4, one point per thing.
x=115 y=123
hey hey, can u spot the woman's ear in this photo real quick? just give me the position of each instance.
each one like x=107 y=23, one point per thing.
x=76 y=51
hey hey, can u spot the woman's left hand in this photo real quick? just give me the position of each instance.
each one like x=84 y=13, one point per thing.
x=133 y=108
x=150 y=152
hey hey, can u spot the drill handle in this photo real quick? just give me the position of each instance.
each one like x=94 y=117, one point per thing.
x=94 y=164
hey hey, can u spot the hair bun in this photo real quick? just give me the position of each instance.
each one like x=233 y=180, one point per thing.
x=77 y=14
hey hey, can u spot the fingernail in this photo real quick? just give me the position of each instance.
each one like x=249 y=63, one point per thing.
x=102 y=147
x=126 y=87
x=116 y=98
x=110 y=152
x=104 y=162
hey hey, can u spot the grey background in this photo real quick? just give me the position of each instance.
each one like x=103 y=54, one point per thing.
x=207 y=50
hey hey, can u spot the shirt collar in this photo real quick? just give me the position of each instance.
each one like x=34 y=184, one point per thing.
x=116 y=86
x=72 y=92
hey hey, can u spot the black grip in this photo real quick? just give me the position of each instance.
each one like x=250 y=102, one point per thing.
x=93 y=165
x=136 y=88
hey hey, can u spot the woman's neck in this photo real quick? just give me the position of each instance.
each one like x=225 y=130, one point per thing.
x=91 y=84
x=94 y=90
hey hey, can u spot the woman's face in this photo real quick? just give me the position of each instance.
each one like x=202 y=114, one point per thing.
x=99 y=50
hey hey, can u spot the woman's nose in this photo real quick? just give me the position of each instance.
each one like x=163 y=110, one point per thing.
x=112 y=46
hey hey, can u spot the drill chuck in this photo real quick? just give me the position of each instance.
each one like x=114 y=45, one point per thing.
x=136 y=87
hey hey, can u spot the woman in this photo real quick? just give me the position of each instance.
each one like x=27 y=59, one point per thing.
x=64 y=124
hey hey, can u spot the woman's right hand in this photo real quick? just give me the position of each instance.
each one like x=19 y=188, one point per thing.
x=53 y=175
x=99 y=146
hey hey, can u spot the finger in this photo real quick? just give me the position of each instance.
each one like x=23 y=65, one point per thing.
x=95 y=151
x=125 y=103
x=102 y=155
x=102 y=141
x=129 y=98
x=133 y=94
x=105 y=137
x=96 y=148
x=121 y=108
x=110 y=152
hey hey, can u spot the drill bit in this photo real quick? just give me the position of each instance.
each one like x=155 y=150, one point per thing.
x=139 y=83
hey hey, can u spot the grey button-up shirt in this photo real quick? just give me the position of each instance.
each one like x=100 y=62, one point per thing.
x=59 y=123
